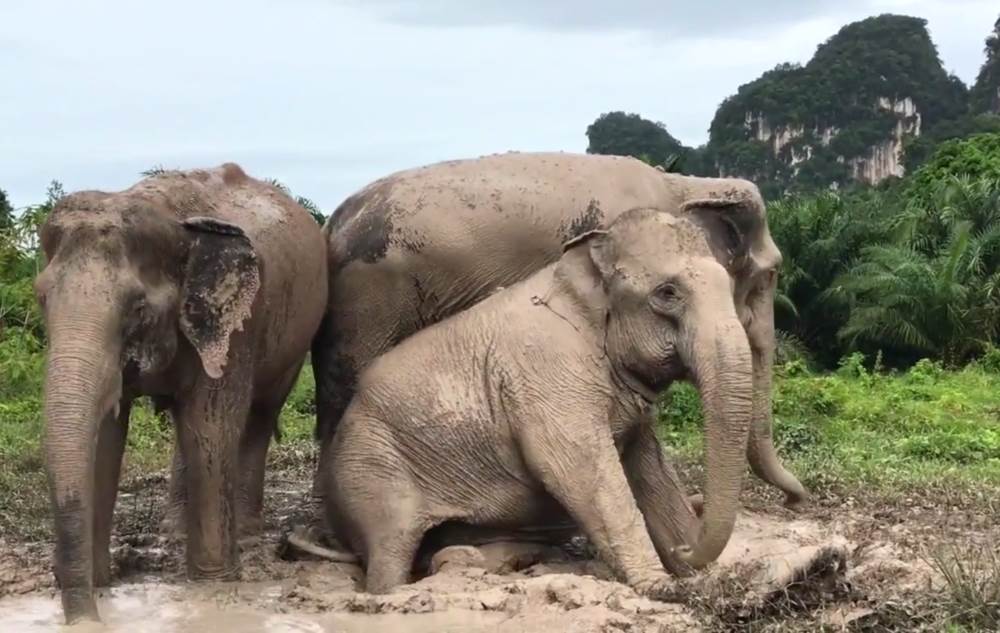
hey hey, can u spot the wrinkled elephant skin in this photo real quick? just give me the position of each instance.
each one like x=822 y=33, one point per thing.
x=536 y=402
x=201 y=289
x=417 y=246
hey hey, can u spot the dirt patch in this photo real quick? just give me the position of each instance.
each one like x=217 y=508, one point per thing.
x=848 y=569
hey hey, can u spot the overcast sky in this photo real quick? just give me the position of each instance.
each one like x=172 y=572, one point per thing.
x=327 y=95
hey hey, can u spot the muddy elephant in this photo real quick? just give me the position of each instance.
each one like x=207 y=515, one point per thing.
x=417 y=246
x=537 y=401
x=201 y=289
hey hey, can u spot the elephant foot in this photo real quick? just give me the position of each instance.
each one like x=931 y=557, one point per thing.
x=212 y=573
x=456 y=556
x=79 y=606
x=172 y=525
x=249 y=524
x=102 y=574
x=661 y=588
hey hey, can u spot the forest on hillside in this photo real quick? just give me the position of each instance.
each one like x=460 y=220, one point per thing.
x=797 y=128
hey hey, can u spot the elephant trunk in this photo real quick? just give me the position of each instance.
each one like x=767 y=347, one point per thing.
x=761 y=453
x=723 y=374
x=82 y=383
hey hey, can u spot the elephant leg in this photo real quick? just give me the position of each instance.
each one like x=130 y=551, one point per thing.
x=670 y=519
x=261 y=426
x=173 y=517
x=209 y=422
x=254 y=443
x=374 y=316
x=107 y=470
x=390 y=556
x=580 y=467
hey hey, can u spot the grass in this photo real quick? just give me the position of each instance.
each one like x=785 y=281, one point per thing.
x=24 y=510
x=923 y=430
x=890 y=432
x=971 y=597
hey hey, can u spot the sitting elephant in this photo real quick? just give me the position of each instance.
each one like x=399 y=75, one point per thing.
x=537 y=401
x=419 y=245
x=201 y=289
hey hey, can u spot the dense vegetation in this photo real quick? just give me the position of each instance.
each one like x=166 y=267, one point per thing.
x=910 y=270
x=631 y=135
x=985 y=95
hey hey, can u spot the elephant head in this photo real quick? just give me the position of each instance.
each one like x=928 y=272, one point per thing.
x=128 y=288
x=669 y=314
x=733 y=218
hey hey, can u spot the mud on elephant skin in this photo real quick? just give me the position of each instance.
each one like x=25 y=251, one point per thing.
x=201 y=289
x=537 y=402
x=417 y=246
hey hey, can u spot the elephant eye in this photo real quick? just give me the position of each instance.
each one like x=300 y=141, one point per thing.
x=665 y=300
x=667 y=292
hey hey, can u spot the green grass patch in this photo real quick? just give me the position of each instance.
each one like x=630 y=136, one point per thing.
x=855 y=427
x=24 y=499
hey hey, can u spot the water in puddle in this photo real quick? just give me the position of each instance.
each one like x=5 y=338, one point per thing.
x=161 y=608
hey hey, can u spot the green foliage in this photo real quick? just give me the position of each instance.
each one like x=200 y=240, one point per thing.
x=819 y=237
x=6 y=212
x=302 y=201
x=918 y=149
x=985 y=94
x=974 y=158
x=622 y=134
x=863 y=427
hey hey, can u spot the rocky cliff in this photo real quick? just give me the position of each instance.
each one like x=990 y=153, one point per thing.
x=845 y=116
x=872 y=103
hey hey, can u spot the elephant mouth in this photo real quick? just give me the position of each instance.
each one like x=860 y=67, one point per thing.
x=650 y=379
x=634 y=382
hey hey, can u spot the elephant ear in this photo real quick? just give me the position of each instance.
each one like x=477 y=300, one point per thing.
x=220 y=283
x=732 y=223
x=599 y=248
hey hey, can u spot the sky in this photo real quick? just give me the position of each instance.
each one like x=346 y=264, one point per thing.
x=328 y=95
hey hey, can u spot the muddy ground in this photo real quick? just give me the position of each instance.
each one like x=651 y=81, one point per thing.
x=842 y=564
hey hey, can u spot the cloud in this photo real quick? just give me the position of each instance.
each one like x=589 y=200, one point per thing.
x=676 y=18
x=329 y=95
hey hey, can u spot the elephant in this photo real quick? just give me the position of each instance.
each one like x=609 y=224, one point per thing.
x=420 y=245
x=537 y=402
x=201 y=289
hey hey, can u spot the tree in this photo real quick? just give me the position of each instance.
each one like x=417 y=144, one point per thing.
x=302 y=201
x=6 y=211
x=975 y=157
x=917 y=150
x=985 y=96
x=819 y=236
x=624 y=134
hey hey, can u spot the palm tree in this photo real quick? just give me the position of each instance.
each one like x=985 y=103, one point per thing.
x=936 y=290
x=819 y=236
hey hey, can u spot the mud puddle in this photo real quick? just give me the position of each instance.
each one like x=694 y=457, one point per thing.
x=498 y=588
x=158 y=608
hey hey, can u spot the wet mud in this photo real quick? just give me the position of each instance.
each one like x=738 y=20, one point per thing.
x=777 y=566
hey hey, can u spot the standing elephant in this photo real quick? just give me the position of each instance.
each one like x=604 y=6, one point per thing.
x=417 y=246
x=201 y=289
x=537 y=401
